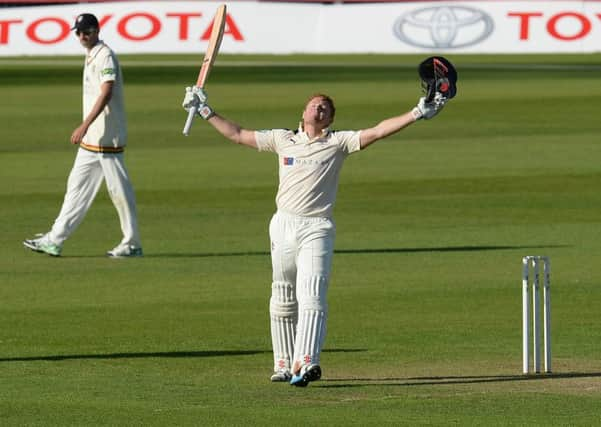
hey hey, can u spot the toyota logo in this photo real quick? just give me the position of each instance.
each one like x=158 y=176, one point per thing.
x=443 y=27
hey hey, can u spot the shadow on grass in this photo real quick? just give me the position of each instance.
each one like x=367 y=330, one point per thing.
x=450 y=380
x=168 y=354
x=359 y=251
x=150 y=355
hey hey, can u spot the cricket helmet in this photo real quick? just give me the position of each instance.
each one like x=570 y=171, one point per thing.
x=438 y=75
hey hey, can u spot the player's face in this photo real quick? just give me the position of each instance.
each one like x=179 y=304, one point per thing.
x=318 y=111
x=87 y=38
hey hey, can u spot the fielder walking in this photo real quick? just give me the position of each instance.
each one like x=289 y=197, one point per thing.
x=302 y=230
x=101 y=137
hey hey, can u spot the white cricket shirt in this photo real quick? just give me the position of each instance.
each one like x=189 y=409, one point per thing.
x=110 y=127
x=308 y=169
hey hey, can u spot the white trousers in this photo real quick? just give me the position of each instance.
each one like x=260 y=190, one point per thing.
x=83 y=184
x=301 y=256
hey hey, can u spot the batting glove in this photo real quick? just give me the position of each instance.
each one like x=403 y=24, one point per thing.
x=201 y=94
x=195 y=96
x=190 y=100
x=427 y=110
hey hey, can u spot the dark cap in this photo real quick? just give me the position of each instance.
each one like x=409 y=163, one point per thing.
x=85 y=22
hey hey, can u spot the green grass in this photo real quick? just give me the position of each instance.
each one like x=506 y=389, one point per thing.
x=425 y=300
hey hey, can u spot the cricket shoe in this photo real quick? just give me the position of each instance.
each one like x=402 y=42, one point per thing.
x=42 y=244
x=125 y=251
x=307 y=374
x=282 y=376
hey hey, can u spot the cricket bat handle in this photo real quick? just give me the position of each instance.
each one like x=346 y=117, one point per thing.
x=188 y=125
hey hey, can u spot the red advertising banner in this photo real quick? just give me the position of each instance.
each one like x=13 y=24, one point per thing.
x=283 y=28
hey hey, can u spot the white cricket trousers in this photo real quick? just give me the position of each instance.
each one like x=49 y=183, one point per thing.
x=301 y=256
x=83 y=184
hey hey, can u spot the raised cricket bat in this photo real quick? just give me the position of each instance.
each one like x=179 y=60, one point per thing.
x=209 y=59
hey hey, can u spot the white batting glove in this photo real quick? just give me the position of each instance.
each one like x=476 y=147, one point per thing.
x=201 y=94
x=427 y=110
x=190 y=99
x=194 y=97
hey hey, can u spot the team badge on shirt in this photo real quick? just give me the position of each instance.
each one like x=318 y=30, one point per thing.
x=288 y=161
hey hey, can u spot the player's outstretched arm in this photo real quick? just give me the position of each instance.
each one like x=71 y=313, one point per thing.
x=196 y=98
x=387 y=127
x=233 y=131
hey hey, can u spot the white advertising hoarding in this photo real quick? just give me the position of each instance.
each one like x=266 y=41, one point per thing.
x=282 y=28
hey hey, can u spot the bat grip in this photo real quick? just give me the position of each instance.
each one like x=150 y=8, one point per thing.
x=188 y=125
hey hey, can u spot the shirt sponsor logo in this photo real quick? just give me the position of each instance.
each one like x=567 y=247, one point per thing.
x=108 y=71
x=291 y=161
x=311 y=162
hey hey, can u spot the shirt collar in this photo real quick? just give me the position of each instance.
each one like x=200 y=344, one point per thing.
x=324 y=133
x=94 y=51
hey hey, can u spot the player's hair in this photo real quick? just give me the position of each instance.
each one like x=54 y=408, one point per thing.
x=327 y=99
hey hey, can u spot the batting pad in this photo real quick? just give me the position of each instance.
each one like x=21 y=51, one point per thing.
x=283 y=312
x=313 y=314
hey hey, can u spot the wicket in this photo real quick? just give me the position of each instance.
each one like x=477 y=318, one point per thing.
x=535 y=262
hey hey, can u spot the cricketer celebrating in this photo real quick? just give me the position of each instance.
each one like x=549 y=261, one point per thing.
x=101 y=137
x=302 y=230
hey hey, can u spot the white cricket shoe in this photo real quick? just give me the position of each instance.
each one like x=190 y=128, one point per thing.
x=41 y=243
x=307 y=374
x=125 y=251
x=281 y=376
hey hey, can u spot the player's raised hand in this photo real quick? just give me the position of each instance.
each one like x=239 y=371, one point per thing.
x=195 y=102
x=427 y=110
x=195 y=96
x=190 y=99
x=201 y=94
